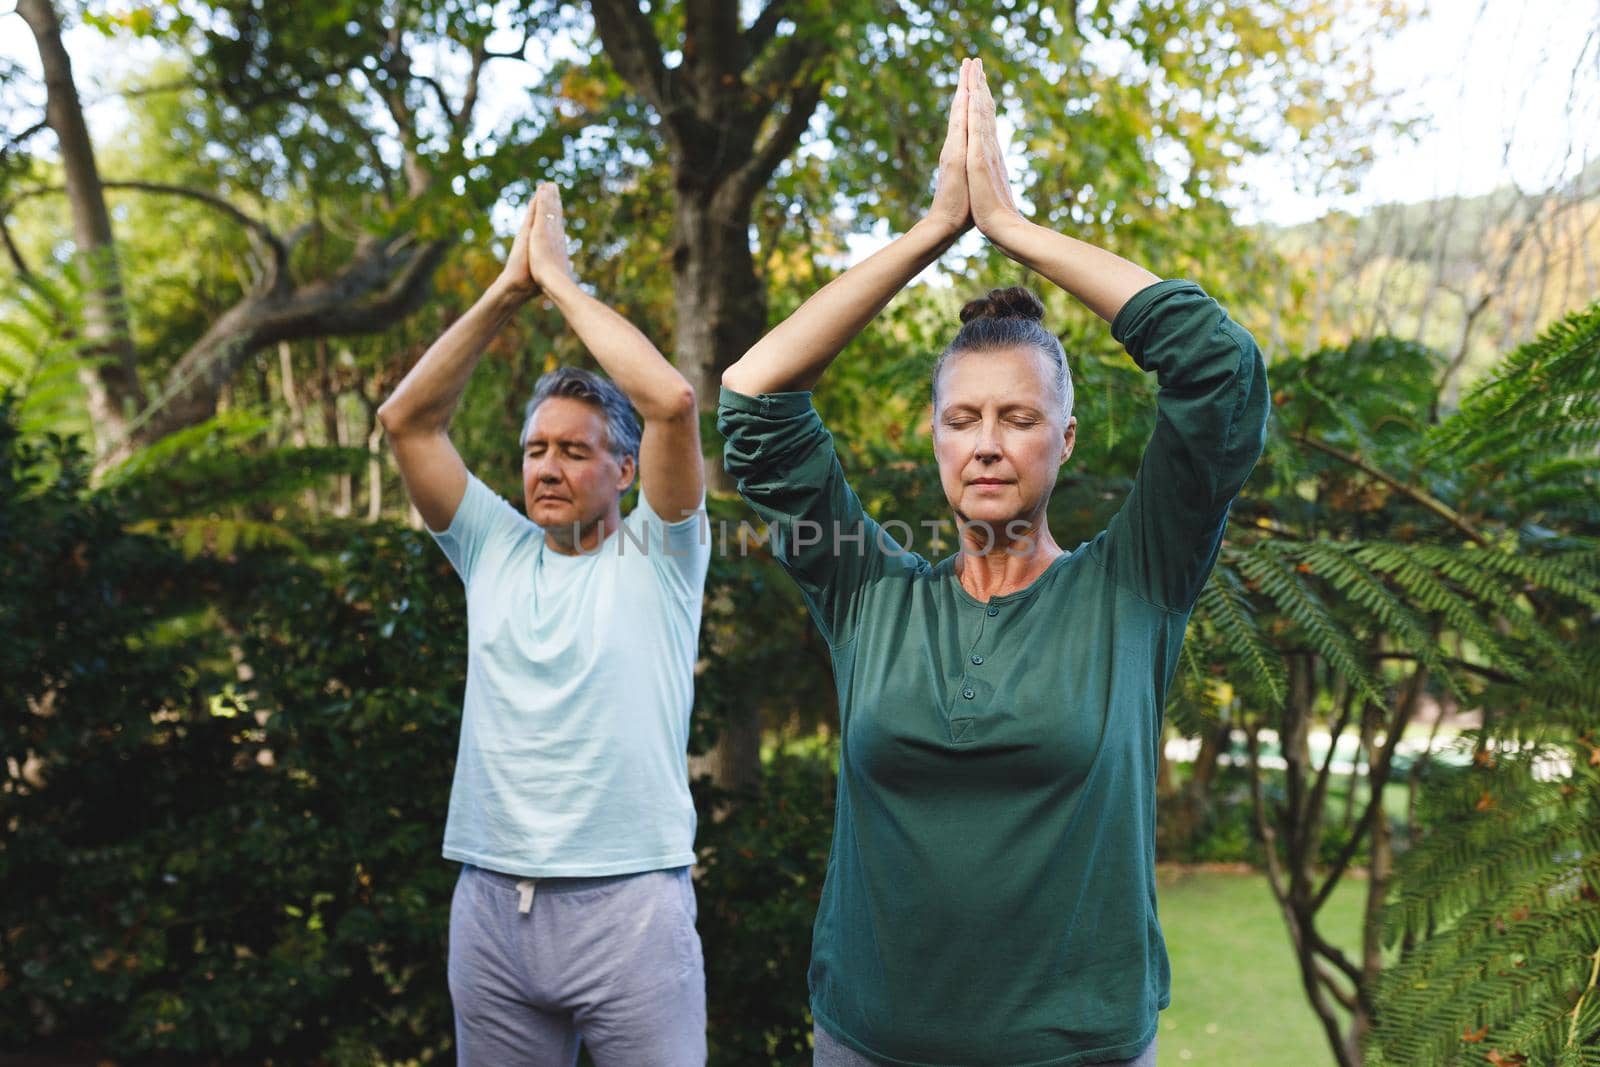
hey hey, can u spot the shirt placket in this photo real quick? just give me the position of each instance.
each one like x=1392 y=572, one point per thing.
x=974 y=689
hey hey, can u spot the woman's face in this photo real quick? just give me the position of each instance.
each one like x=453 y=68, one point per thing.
x=998 y=435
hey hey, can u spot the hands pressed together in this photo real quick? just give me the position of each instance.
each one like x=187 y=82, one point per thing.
x=973 y=188
x=538 y=258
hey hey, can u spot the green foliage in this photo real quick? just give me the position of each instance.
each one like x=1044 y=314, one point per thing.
x=1542 y=404
x=208 y=466
x=39 y=356
x=1376 y=548
x=1498 y=919
x=1497 y=911
x=759 y=880
x=229 y=776
x=207 y=855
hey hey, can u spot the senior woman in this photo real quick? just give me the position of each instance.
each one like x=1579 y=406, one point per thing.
x=990 y=897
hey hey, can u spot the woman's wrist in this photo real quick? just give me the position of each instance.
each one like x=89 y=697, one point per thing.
x=560 y=287
x=933 y=235
x=1009 y=232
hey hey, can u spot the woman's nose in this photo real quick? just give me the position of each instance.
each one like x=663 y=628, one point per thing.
x=988 y=443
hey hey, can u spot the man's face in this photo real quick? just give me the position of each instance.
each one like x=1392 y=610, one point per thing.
x=569 y=476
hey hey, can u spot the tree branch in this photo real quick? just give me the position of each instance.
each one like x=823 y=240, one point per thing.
x=765 y=25
x=1460 y=664
x=519 y=52
x=1319 y=789
x=1346 y=999
x=711 y=39
x=383 y=282
x=771 y=153
x=461 y=125
x=775 y=74
x=14 y=252
x=1377 y=779
x=631 y=45
x=15 y=140
x=1419 y=496
x=396 y=66
x=1269 y=836
x=256 y=227
x=439 y=95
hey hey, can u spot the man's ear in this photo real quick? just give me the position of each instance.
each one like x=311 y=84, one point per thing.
x=1069 y=439
x=628 y=469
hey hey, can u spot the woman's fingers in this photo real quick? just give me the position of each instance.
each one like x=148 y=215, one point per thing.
x=987 y=178
x=956 y=135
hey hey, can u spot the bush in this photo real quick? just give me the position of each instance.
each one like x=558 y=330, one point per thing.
x=227 y=785
x=760 y=878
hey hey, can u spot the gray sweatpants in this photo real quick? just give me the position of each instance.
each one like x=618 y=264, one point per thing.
x=829 y=1051
x=536 y=966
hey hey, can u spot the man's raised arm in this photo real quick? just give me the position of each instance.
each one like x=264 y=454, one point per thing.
x=671 y=471
x=416 y=417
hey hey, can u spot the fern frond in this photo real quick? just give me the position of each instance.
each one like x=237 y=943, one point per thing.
x=1498 y=909
x=1226 y=605
x=1545 y=396
x=1271 y=567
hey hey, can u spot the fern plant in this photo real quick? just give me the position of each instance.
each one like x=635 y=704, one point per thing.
x=1379 y=562
x=40 y=358
x=1496 y=917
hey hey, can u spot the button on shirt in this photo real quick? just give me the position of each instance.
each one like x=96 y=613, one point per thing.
x=990 y=896
x=580 y=680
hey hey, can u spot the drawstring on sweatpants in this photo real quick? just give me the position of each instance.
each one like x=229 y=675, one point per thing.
x=525 y=895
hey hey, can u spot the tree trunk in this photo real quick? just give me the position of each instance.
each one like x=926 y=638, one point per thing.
x=731 y=111
x=720 y=304
x=721 y=311
x=113 y=383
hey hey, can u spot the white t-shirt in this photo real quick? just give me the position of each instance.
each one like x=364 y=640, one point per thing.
x=580 y=679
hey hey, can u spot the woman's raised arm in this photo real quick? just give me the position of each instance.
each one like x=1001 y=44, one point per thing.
x=793 y=356
x=1102 y=280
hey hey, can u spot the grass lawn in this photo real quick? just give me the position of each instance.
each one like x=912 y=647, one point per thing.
x=1236 y=992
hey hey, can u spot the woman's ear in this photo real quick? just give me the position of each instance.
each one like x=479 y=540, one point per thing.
x=1069 y=438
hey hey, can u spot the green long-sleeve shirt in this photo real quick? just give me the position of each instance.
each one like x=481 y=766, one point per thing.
x=990 y=897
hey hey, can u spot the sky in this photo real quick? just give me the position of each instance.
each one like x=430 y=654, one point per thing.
x=1480 y=76
x=1477 y=75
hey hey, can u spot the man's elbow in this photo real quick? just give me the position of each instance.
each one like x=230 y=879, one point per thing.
x=679 y=403
x=396 y=418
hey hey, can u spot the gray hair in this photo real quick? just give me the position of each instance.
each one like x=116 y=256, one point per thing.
x=621 y=424
x=1009 y=318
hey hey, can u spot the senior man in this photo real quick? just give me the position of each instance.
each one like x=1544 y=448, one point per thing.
x=573 y=919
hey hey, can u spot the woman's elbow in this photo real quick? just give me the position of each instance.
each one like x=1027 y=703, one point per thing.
x=737 y=378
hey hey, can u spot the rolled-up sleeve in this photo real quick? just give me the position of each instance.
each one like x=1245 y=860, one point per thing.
x=1211 y=418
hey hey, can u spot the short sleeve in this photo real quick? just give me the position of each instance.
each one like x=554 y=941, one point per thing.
x=482 y=519
x=679 y=549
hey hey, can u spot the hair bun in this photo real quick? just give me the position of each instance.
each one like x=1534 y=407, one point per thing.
x=1015 y=302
